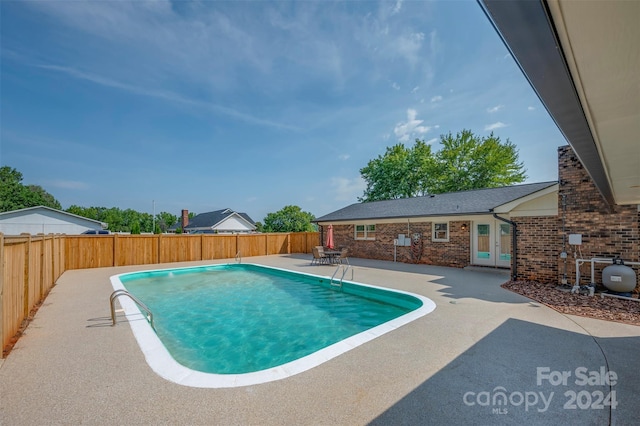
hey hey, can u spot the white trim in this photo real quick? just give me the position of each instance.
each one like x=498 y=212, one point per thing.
x=433 y=232
x=163 y=364
x=366 y=233
x=507 y=207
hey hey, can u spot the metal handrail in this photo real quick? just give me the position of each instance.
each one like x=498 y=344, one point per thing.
x=123 y=292
x=344 y=272
x=238 y=257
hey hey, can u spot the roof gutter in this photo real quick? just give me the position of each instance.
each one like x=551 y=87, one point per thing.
x=514 y=244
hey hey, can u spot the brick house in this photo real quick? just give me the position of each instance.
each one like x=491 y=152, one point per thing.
x=580 y=59
x=469 y=228
x=454 y=229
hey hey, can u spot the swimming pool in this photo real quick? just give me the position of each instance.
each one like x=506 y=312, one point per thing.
x=246 y=324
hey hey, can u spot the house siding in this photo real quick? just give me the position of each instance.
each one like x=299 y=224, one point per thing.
x=607 y=231
x=455 y=252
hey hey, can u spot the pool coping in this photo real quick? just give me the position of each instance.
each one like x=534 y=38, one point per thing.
x=163 y=363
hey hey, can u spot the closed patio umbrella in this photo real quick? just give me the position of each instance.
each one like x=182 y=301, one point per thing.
x=330 y=236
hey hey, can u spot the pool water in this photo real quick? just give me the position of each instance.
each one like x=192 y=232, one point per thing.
x=239 y=319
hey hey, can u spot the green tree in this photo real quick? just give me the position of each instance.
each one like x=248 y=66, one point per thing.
x=14 y=195
x=464 y=162
x=289 y=219
x=400 y=173
x=164 y=220
x=135 y=228
x=467 y=161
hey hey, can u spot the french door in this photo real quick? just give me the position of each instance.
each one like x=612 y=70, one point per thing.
x=492 y=243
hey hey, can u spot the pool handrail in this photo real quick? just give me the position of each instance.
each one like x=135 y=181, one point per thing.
x=344 y=272
x=123 y=292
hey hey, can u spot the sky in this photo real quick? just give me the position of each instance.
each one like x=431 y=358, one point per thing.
x=248 y=105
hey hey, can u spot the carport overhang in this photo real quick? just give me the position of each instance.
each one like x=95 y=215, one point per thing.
x=582 y=60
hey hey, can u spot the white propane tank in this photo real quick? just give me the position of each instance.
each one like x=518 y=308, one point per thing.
x=618 y=277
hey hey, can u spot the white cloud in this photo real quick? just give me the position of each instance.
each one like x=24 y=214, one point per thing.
x=344 y=157
x=165 y=95
x=415 y=89
x=397 y=7
x=496 y=125
x=395 y=86
x=346 y=189
x=530 y=108
x=431 y=141
x=412 y=128
x=495 y=109
x=436 y=98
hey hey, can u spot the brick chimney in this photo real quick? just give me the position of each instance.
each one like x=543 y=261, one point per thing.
x=185 y=218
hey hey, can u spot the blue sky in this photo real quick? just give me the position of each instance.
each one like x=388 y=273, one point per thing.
x=248 y=105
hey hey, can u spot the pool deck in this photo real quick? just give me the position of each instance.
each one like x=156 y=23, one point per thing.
x=481 y=342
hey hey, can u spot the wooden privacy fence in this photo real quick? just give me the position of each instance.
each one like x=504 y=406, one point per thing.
x=30 y=265
x=90 y=251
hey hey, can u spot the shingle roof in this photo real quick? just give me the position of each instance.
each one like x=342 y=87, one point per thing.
x=479 y=201
x=209 y=219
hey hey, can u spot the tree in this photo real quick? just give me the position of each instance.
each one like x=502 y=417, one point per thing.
x=400 y=173
x=464 y=162
x=128 y=220
x=469 y=162
x=14 y=195
x=289 y=219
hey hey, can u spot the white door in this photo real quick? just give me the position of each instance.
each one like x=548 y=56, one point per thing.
x=503 y=245
x=492 y=244
x=483 y=242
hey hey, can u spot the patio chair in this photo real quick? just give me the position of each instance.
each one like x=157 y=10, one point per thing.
x=318 y=256
x=343 y=256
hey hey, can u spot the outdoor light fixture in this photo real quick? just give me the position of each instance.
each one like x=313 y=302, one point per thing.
x=464 y=227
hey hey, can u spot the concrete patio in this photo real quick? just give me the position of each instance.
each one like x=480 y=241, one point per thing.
x=449 y=367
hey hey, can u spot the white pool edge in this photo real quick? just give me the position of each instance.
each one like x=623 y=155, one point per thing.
x=163 y=364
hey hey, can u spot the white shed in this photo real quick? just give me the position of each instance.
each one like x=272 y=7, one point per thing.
x=45 y=220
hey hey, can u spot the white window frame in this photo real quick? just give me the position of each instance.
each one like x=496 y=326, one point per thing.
x=366 y=231
x=434 y=235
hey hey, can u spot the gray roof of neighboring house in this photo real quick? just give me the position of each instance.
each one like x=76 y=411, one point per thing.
x=210 y=219
x=28 y=210
x=479 y=201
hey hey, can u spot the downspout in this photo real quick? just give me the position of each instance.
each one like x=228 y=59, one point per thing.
x=514 y=243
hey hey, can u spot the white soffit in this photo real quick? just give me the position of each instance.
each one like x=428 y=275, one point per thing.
x=601 y=40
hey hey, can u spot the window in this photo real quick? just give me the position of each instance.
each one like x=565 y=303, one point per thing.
x=365 y=232
x=441 y=232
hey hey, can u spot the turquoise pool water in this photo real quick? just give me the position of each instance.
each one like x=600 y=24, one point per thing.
x=242 y=318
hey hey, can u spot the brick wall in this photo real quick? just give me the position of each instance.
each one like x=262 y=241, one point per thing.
x=539 y=247
x=455 y=252
x=607 y=231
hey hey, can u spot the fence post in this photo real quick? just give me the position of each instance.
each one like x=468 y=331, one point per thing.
x=159 y=247
x=42 y=268
x=115 y=250
x=1 y=293
x=27 y=249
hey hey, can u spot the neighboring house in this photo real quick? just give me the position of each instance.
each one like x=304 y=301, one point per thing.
x=45 y=220
x=225 y=221
x=452 y=229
